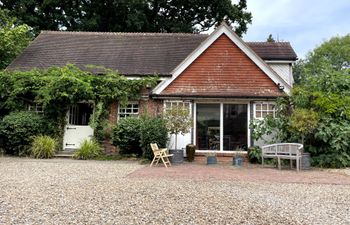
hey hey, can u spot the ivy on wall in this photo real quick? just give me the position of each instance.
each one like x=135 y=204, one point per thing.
x=58 y=88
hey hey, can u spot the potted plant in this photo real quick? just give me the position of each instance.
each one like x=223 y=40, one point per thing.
x=211 y=158
x=190 y=152
x=178 y=121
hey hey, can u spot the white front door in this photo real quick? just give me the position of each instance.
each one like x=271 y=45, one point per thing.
x=77 y=130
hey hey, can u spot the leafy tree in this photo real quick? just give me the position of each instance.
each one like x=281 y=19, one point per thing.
x=178 y=121
x=130 y=15
x=320 y=106
x=270 y=38
x=13 y=38
x=332 y=55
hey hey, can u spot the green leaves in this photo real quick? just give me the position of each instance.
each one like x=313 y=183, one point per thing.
x=131 y=15
x=13 y=38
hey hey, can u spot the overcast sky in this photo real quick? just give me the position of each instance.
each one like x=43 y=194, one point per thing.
x=304 y=23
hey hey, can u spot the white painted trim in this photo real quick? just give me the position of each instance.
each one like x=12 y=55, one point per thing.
x=221 y=152
x=194 y=123
x=221 y=127
x=224 y=29
x=248 y=129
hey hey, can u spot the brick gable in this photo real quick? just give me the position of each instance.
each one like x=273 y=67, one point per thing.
x=223 y=70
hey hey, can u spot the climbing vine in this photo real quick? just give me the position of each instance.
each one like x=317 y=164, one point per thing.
x=58 y=88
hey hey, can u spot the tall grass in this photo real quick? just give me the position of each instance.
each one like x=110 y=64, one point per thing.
x=89 y=149
x=43 y=147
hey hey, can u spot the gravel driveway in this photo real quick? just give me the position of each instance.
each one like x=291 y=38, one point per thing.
x=64 y=191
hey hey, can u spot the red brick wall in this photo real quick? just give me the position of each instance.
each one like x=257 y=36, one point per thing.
x=223 y=70
x=150 y=106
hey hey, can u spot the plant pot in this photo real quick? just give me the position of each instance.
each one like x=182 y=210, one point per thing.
x=190 y=152
x=178 y=156
x=237 y=161
x=211 y=160
x=305 y=161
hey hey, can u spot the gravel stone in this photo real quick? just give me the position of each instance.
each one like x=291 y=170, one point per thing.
x=65 y=191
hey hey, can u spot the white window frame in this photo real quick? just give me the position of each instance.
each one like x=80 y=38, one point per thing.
x=126 y=114
x=261 y=110
x=185 y=104
x=37 y=108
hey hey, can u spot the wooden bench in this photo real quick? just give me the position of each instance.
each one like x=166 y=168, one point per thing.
x=291 y=151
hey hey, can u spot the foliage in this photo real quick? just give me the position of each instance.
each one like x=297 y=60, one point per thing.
x=130 y=16
x=190 y=152
x=178 y=121
x=319 y=107
x=153 y=130
x=18 y=129
x=333 y=55
x=89 y=149
x=43 y=147
x=303 y=121
x=59 y=88
x=254 y=154
x=127 y=134
x=270 y=38
x=13 y=38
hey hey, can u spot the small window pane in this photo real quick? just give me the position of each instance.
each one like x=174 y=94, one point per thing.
x=271 y=107
x=258 y=114
x=258 y=106
x=264 y=106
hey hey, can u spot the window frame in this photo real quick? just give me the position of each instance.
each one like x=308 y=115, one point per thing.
x=177 y=102
x=126 y=114
x=267 y=110
x=34 y=108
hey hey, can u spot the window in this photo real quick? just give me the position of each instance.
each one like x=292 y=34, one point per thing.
x=168 y=105
x=35 y=108
x=130 y=109
x=262 y=109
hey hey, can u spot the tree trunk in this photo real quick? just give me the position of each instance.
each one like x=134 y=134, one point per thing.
x=175 y=141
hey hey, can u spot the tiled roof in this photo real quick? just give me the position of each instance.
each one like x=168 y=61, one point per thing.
x=129 y=53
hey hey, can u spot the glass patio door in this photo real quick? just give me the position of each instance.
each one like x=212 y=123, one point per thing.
x=235 y=127
x=208 y=126
x=221 y=126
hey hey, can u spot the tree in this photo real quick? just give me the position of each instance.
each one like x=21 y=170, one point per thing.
x=270 y=38
x=131 y=15
x=178 y=121
x=13 y=38
x=320 y=105
x=333 y=54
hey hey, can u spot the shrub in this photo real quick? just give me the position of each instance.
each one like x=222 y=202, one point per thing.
x=126 y=136
x=254 y=154
x=153 y=130
x=43 y=147
x=89 y=149
x=190 y=152
x=18 y=129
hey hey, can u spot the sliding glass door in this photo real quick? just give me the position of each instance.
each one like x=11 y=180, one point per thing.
x=208 y=126
x=235 y=126
x=221 y=126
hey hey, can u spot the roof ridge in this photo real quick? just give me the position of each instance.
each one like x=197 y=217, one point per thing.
x=119 y=33
x=267 y=42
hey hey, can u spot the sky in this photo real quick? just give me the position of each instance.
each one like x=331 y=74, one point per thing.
x=304 y=23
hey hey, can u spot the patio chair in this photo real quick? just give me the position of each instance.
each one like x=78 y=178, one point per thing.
x=160 y=154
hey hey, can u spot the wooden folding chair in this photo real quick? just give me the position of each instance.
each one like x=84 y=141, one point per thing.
x=160 y=154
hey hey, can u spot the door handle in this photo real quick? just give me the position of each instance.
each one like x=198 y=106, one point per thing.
x=71 y=128
x=69 y=144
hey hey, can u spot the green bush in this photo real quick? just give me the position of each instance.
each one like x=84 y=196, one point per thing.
x=18 y=129
x=153 y=130
x=190 y=152
x=254 y=154
x=126 y=136
x=89 y=149
x=43 y=147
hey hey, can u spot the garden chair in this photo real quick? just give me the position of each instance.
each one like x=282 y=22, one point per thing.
x=160 y=154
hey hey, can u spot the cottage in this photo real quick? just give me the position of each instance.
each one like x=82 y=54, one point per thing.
x=224 y=81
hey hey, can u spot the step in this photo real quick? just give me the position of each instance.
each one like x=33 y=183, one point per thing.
x=64 y=154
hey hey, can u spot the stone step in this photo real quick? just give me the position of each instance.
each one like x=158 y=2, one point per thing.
x=64 y=154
